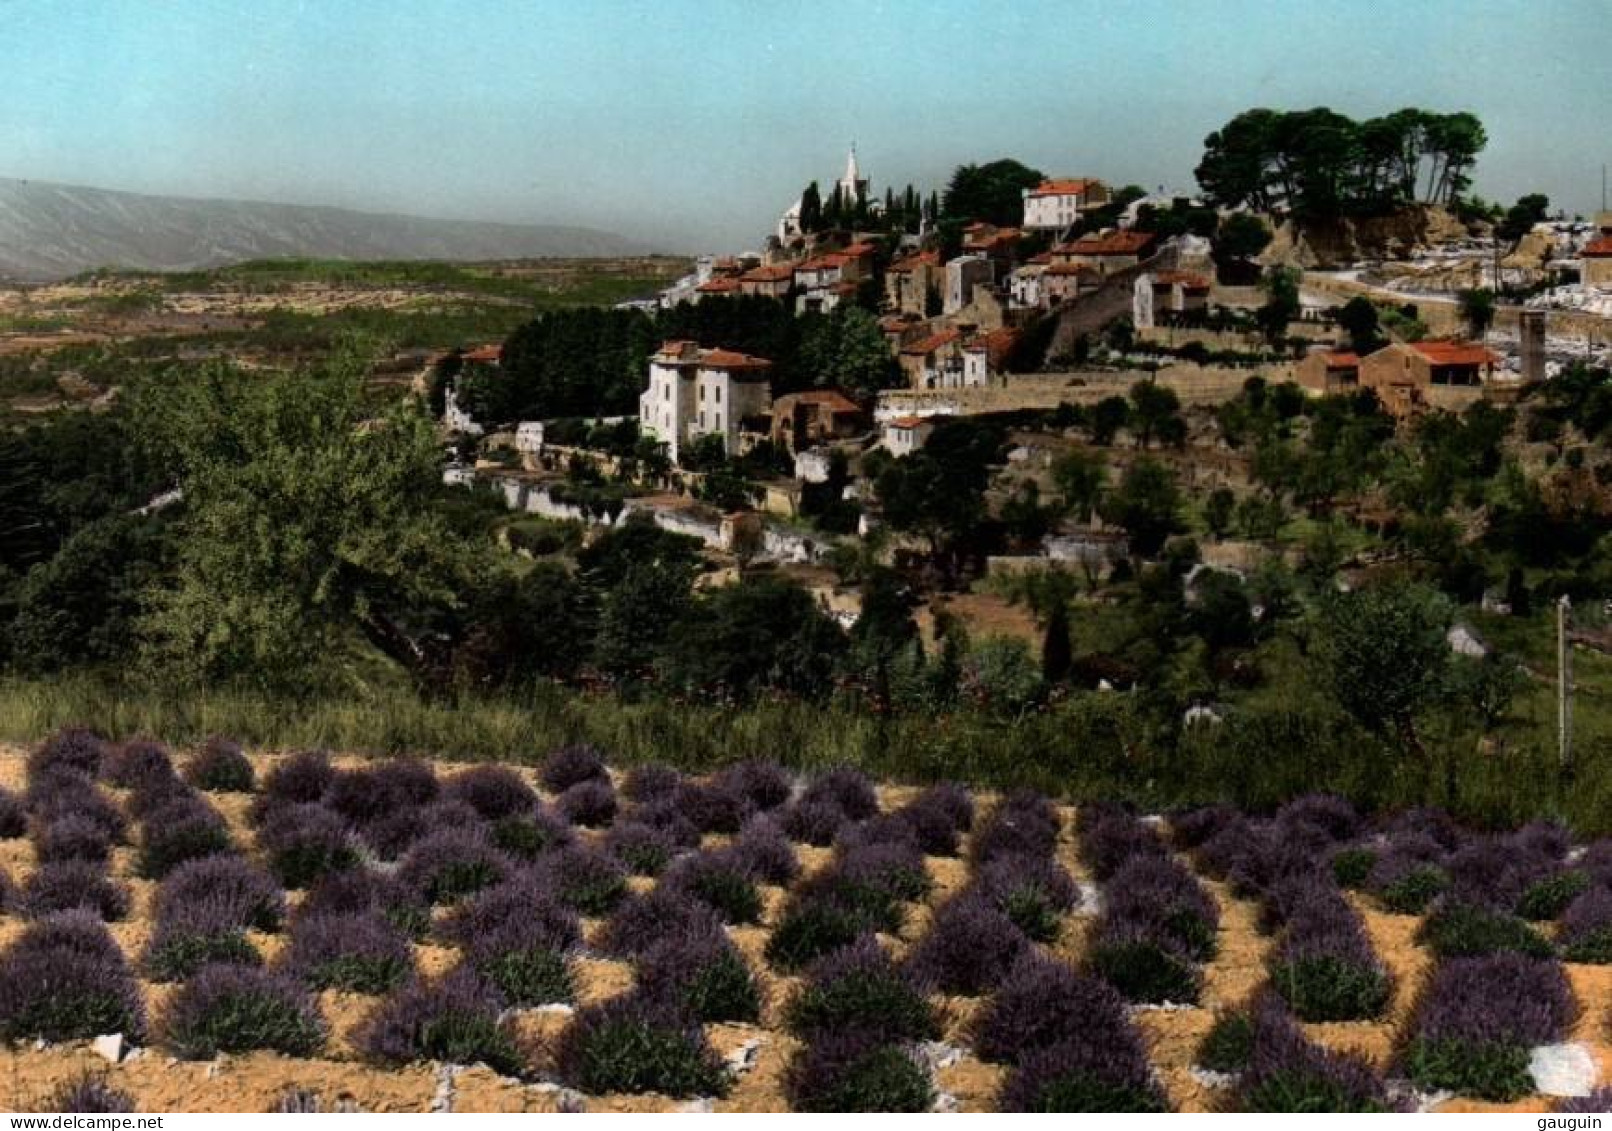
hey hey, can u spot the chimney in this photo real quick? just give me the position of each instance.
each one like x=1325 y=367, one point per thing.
x=1533 y=345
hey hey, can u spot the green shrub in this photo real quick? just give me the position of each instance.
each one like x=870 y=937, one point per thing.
x=1495 y=1071
x=242 y=1009
x=873 y=999
x=1228 y=1044
x=809 y=930
x=523 y=837
x=721 y=989
x=733 y=897
x=179 y=955
x=635 y=1046
x=1297 y=1090
x=1146 y=971
x=1465 y=930
x=1327 y=988
x=358 y=973
x=302 y=864
x=852 y=1075
x=1351 y=866
x=1411 y=894
x=535 y=975
x=1548 y=898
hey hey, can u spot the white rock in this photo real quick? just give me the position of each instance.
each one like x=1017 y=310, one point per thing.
x=696 y=1107
x=1563 y=1070
x=743 y=1058
x=938 y=1054
x=1091 y=899
x=557 y=1007
x=110 y=1047
x=944 y=1101
x=1212 y=1079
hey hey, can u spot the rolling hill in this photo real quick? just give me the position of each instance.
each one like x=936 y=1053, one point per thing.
x=48 y=231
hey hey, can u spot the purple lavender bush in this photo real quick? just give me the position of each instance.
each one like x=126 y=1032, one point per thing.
x=951 y=801
x=299 y=779
x=62 y=982
x=713 y=808
x=856 y=1071
x=815 y=822
x=762 y=785
x=78 y=749
x=642 y=850
x=137 y=765
x=65 y=884
x=89 y=1094
x=181 y=830
x=642 y=921
x=969 y=949
x=1156 y=895
x=650 y=782
x=72 y=837
x=529 y=835
x=636 y=1044
x=571 y=765
x=591 y=804
x=1334 y=817
x=1598 y=1102
x=858 y=987
x=370 y=793
x=1043 y=1003
x=1496 y=871
x=518 y=938
x=1144 y=964
x=1586 y=929
x=719 y=880
x=457 y=1019
x=495 y=792
x=1325 y=968
x=1287 y=1072
x=583 y=878
x=356 y=890
x=451 y=864
x=220 y=766
x=1192 y=828
x=63 y=793
x=306 y=842
x=1025 y=824
x=390 y=837
x=234 y=1009
x=930 y=826
x=850 y=790
x=1477 y=1019
x=190 y=936
x=1033 y=892
x=703 y=975
x=1409 y=874
x=765 y=853
x=1109 y=841
x=664 y=815
x=361 y=952
x=1097 y=1069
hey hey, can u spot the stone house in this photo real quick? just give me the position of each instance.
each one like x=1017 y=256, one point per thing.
x=1061 y=282
x=963 y=275
x=819 y=416
x=773 y=281
x=695 y=392
x=1106 y=252
x=1325 y=373
x=1597 y=260
x=1166 y=296
x=1057 y=203
x=934 y=362
x=1412 y=377
x=1025 y=289
x=912 y=283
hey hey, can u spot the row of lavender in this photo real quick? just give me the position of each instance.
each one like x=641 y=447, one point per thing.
x=1498 y=990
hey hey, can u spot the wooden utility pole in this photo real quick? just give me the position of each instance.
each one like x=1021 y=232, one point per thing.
x=1564 y=687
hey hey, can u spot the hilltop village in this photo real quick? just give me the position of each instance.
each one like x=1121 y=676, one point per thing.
x=1090 y=340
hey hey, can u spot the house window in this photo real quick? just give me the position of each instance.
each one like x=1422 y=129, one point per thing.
x=702 y=394
x=718 y=393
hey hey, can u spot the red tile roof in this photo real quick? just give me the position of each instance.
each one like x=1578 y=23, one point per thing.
x=1599 y=248
x=931 y=343
x=731 y=359
x=832 y=399
x=1344 y=360
x=1191 y=280
x=493 y=354
x=1115 y=243
x=775 y=274
x=1072 y=269
x=902 y=266
x=1454 y=353
x=821 y=262
x=982 y=239
x=909 y=421
x=1070 y=186
x=723 y=285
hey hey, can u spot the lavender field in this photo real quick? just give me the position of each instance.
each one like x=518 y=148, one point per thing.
x=213 y=929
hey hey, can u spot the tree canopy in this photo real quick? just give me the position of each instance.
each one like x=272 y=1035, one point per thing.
x=1318 y=164
x=992 y=192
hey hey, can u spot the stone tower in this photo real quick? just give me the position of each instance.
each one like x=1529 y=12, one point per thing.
x=1532 y=345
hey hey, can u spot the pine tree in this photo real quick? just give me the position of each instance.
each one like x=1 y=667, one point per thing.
x=811 y=209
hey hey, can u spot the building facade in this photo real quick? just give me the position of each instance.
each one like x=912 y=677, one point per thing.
x=696 y=392
x=1054 y=205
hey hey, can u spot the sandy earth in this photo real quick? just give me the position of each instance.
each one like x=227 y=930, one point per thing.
x=256 y=1082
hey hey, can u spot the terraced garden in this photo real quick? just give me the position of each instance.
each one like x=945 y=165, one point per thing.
x=212 y=929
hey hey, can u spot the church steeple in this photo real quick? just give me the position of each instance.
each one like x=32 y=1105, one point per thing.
x=853 y=186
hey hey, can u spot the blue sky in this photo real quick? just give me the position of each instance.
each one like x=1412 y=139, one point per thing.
x=693 y=123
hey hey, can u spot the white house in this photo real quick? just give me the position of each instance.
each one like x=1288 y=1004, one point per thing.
x=906 y=434
x=529 y=437
x=1054 y=205
x=695 y=392
x=963 y=274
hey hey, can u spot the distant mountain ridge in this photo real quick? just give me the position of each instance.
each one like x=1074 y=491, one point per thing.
x=48 y=231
